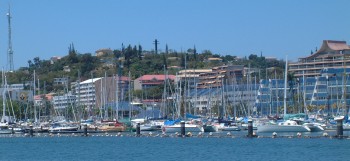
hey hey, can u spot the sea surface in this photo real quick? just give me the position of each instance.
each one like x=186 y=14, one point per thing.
x=156 y=148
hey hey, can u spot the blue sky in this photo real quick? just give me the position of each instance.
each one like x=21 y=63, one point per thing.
x=45 y=28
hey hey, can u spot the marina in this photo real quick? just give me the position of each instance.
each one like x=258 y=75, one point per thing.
x=139 y=83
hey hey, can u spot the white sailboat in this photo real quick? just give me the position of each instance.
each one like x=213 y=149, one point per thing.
x=5 y=120
x=288 y=125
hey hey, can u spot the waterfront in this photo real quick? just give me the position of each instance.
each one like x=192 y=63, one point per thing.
x=112 y=147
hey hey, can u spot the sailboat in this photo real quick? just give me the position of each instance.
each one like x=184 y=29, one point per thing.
x=288 y=125
x=5 y=120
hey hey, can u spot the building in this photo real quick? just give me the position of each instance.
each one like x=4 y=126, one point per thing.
x=214 y=59
x=62 y=81
x=328 y=93
x=98 y=91
x=16 y=86
x=66 y=68
x=64 y=101
x=54 y=59
x=227 y=74
x=332 y=54
x=106 y=90
x=148 y=81
x=191 y=76
x=103 y=52
x=86 y=92
x=233 y=100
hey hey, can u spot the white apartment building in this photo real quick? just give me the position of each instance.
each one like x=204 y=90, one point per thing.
x=86 y=92
x=63 y=101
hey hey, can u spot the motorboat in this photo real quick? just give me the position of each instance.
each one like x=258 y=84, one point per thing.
x=228 y=127
x=62 y=127
x=210 y=128
x=4 y=128
x=111 y=126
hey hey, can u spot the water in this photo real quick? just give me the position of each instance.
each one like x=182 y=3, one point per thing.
x=172 y=148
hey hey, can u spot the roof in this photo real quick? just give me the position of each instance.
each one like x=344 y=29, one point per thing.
x=214 y=59
x=330 y=45
x=157 y=77
x=195 y=71
x=90 y=80
x=123 y=78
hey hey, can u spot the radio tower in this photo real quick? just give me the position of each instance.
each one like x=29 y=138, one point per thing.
x=9 y=51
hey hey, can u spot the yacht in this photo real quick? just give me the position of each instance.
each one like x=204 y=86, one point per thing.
x=286 y=126
x=177 y=128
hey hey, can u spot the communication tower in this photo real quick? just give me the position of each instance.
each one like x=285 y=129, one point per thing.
x=9 y=51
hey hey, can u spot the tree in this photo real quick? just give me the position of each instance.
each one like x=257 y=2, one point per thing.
x=140 y=52
x=183 y=63
x=72 y=54
x=37 y=62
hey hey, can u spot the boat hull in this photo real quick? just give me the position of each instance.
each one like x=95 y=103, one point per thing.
x=210 y=128
x=231 y=128
x=177 y=128
x=282 y=128
x=314 y=127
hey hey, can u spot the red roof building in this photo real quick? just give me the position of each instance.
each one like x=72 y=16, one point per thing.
x=147 y=81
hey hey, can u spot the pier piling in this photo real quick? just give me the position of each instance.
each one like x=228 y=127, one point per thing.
x=182 y=123
x=340 y=128
x=85 y=130
x=250 y=128
x=31 y=130
x=138 y=129
x=12 y=131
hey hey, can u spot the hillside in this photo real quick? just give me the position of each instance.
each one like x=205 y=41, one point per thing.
x=133 y=59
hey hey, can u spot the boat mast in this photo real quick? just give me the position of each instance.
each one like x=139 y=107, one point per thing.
x=304 y=93
x=3 y=96
x=285 y=88
x=36 y=120
x=344 y=87
x=101 y=98
x=164 y=92
x=129 y=95
x=79 y=95
x=117 y=97
x=248 y=92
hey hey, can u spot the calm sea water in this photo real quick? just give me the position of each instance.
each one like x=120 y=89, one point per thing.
x=172 y=148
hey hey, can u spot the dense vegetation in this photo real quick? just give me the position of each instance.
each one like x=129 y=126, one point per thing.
x=134 y=59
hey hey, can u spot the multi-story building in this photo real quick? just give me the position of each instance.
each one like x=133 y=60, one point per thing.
x=236 y=99
x=332 y=54
x=148 y=81
x=227 y=74
x=16 y=86
x=329 y=92
x=86 y=92
x=106 y=90
x=63 y=101
x=99 y=91
x=191 y=76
